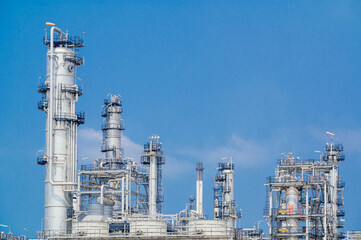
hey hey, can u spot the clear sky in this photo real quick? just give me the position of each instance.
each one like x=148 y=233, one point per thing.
x=248 y=79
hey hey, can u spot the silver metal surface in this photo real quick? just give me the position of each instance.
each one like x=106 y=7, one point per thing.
x=61 y=93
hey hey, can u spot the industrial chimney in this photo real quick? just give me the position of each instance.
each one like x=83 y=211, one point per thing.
x=200 y=189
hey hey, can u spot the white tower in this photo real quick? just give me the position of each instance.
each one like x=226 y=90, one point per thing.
x=112 y=132
x=153 y=156
x=224 y=204
x=200 y=189
x=61 y=92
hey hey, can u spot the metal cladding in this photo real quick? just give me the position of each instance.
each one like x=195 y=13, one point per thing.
x=305 y=198
x=61 y=93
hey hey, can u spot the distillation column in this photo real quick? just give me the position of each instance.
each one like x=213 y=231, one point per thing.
x=335 y=203
x=153 y=156
x=200 y=189
x=229 y=208
x=61 y=92
x=112 y=132
x=224 y=204
x=333 y=189
x=292 y=195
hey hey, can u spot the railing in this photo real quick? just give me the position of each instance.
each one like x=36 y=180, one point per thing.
x=42 y=104
x=75 y=89
x=339 y=201
x=113 y=148
x=10 y=236
x=336 y=147
x=79 y=117
x=76 y=59
x=248 y=233
x=340 y=223
x=219 y=178
x=73 y=42
x=226 y=166
x=43 y=88
x=341 y=157
x=146 y=160
x=353 y=235
x=87 y=167
x=283 y=162
x=156 y=147
x=114 y=103
x=340 y=213
x=194 y=231
x=116 y=126
x=41 y=160
x=340 y=183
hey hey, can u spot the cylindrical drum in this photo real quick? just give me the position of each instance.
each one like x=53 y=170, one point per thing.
x=96 y=209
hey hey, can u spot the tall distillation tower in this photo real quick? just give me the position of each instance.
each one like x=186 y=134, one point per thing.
x=224 y=204
x=153 y=156
x=200 y=189
x=60 y=92
x=112 y=113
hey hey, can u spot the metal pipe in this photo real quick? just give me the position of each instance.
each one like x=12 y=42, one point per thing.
x=50 y=109
x=127 y=191
x=307 y=215
x=122 y=195
x=102 y=194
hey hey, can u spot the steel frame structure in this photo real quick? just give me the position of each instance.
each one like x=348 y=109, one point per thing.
x=305 y=198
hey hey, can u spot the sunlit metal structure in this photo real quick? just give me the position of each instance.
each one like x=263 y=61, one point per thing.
x=60 y=94
x=115 y=197
x=305 y=198
x=224 y=204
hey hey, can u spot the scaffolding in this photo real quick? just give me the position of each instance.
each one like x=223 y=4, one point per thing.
x=224 y=204
x=153 y=158
x=305 y=198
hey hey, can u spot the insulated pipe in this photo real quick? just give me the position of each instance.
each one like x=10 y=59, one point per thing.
x=292 y=209
x=51 y=108
x=123 y=195
x=200 y=189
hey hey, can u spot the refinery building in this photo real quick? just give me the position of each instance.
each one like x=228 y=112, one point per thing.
x=121 y=198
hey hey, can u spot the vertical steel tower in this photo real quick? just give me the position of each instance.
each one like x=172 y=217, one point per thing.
x=112 y=132
x=61 y=92
x=224 y=204
x=153 y=156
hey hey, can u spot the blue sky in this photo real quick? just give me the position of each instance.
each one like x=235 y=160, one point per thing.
x=248 y=79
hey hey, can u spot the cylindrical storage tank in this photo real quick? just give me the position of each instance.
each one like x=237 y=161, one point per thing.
x=208 y=227
x=93 y=224
x=91 y=228
x=148 y=227
x=96 y=209
x=108 y=211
